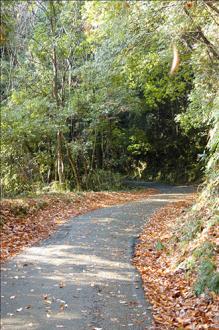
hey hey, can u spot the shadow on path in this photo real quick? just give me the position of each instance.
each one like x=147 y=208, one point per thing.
x=82 y=278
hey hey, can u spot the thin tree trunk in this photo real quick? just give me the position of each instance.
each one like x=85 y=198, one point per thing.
x=72 y=163
x=93 y=151
x=60 y=164
x=54 y=55
x=55 y=92
x=73 y=167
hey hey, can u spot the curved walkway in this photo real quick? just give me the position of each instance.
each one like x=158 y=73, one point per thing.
x=82 y=278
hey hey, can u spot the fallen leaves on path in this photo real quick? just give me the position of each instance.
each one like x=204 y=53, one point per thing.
x=171 y=294
x=27 y=220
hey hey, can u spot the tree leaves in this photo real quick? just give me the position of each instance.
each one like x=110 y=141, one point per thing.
x=100 y=67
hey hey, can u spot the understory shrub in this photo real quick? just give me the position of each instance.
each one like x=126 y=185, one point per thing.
x=105 y=180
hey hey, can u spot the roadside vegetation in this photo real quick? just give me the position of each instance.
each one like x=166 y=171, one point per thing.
x=87 y=96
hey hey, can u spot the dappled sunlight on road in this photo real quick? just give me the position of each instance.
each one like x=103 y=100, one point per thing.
x=81 y=277
x=65 y=254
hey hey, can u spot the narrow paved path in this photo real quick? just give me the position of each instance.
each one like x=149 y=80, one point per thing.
x=82 y=277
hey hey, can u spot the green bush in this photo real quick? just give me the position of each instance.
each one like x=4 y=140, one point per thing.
x=213 y=283
x=56 y=187
x=192 y=229
x=206 y=250
x=208 y=277
x=105 y=180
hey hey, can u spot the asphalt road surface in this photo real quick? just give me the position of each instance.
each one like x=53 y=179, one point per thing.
x=81 y=278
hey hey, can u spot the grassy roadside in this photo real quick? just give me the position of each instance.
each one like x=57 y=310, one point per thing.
x=177 y=258
x=25 y=221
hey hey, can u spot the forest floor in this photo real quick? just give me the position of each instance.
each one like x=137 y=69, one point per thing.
x=170 y=289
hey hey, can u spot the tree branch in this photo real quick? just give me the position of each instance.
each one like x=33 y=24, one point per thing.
x=212 y=6
x=210 y=46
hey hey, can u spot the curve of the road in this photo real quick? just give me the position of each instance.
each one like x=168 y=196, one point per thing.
x=82 y=278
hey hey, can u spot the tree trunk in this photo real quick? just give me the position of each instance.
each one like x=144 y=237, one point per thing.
x=73 y=167
x=60 y=164
x=55 y=92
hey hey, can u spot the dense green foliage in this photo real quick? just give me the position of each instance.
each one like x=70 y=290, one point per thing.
x=86 y=93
